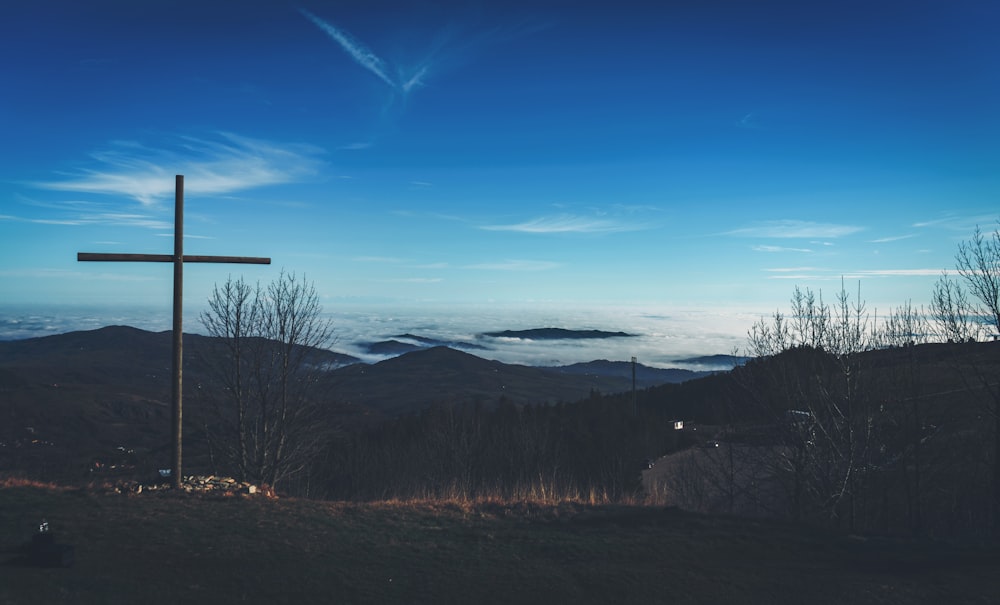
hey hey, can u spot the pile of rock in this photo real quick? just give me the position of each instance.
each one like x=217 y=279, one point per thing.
x=211 y=483
x=197 y=484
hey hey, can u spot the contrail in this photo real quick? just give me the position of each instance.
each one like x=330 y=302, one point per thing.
x=364 y=57
x=416 y=80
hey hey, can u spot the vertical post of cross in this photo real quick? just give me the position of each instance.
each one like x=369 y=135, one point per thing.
x=176 y=394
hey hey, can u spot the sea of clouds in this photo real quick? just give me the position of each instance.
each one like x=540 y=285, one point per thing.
x=663 y=338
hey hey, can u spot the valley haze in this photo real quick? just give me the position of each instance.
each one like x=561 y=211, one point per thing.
x=656 y=339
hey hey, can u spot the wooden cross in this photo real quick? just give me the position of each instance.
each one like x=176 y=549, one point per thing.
x=178 y=259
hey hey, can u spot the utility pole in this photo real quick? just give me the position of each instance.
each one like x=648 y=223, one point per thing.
x=635 y=402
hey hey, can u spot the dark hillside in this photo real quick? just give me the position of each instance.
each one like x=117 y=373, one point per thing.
x=165 y=550
x=645 y=376
x=413 y=381
x=899 y=440
x=70 y=400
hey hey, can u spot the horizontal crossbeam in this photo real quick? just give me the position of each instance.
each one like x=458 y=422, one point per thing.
x=167 y=258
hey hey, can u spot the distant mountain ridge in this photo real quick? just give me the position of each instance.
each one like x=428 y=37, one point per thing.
x=645 y=376
x=556 y=334
x=417 y=379
x=723 y=361
x=400 y=344
x=435 y=342
x=397 y=345
x=390 y=347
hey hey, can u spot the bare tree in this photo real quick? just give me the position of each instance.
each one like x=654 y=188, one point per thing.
x=265 y=423
x=233 y=319
x=905 y=325
x=812 y=319
x=978 y=262
x=814 y=389
x=769 y=337
x=842 y=329
x=952 y=312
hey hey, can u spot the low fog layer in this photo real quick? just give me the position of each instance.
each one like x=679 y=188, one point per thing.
x=662 y=339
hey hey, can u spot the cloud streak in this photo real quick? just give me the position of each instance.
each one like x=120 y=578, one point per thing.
x=896 y=238
x=114 y=219
x=225 y=165
x=377 y=259
x=779 y=249
x=416 y=280
x=361 y=54
x=566 y=224
x=897 y=273
x=367 y=59
x=793 y=229
x=516 y=265
x=814 y=273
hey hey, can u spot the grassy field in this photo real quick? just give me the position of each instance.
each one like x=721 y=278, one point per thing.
x=170 y=548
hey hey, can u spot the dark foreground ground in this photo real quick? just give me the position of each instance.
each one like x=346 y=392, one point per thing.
x=167 y=548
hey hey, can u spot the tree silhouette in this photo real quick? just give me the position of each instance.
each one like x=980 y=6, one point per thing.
x=265 y=416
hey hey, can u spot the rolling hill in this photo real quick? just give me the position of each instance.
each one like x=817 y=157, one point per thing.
x=84 y=394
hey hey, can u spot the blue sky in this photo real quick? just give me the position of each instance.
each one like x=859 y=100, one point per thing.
x=690 y=156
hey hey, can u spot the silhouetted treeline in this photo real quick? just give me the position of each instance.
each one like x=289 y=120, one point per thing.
x=893 y=440
x=595 y=448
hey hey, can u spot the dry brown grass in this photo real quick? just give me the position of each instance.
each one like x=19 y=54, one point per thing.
x=15 y=481
x=537 y=494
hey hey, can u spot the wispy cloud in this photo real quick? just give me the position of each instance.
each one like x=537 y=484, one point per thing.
x=437 y=216
x=517 y=265
x=416 y=280
x=358 y=51
x=83 y=219
x=415 y=80
x=226 y=164
x=122 y=219
x=816 y=273
x=749 y=121
x=568 y=224
x=895 y=238
x=64 y=274
x=779 y=249
x=960 y=223
x=798 y=273
x=795 y=229
x=895 y=272
x=377 y=259
x=405 y=80
x=449 y=47
x=804 y=276
x=791 y=269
